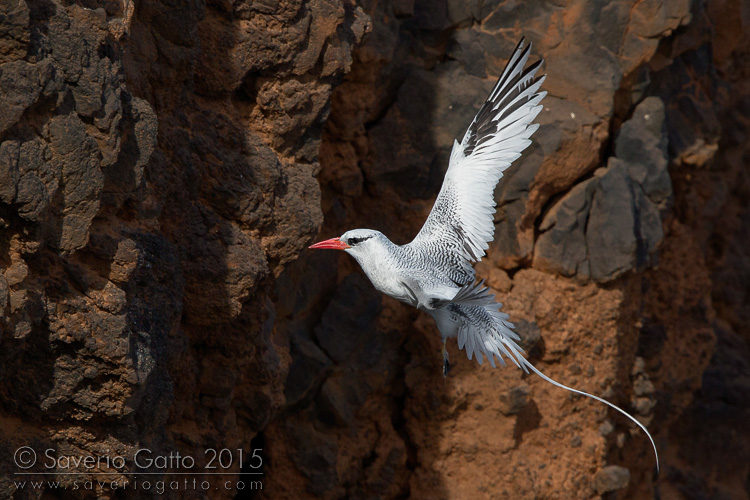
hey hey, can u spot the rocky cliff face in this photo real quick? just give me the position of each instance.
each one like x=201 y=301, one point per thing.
x=163 y=166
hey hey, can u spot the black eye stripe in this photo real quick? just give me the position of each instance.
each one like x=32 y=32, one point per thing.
x=355 y=241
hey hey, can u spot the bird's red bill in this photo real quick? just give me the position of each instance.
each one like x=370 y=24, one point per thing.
x=333 y=243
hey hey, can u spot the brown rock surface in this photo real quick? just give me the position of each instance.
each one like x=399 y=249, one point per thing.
x=157 y=170
x=164 y=164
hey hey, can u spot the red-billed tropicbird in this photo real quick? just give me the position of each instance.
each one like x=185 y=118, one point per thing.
x=434 y=272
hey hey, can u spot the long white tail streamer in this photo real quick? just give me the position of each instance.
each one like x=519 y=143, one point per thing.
x=528 y=364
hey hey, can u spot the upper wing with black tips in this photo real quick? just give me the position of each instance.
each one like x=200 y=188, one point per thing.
x=460 y=225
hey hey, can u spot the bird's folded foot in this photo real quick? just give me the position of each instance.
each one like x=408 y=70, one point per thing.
x=446 y=364
x=446 y=367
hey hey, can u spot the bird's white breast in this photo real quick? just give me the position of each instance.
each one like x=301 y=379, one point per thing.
x=387 y=278
x=385 y=268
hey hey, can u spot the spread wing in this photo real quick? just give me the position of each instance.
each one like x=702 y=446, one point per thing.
x=460 y=225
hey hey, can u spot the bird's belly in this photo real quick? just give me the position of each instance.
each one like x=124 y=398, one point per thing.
x=410 y=288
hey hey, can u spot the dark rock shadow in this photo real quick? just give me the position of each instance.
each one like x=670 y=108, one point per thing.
x=198 y=309
x=230 y=185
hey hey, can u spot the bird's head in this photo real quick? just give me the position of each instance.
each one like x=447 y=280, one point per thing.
x=356 y=242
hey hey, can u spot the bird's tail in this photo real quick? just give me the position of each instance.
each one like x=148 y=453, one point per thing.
x=481 y=328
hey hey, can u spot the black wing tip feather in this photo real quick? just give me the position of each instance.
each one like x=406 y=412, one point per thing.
x=524 y=51
x=490 y=114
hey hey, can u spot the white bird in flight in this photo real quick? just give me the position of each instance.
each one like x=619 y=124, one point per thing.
x=434 y=272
